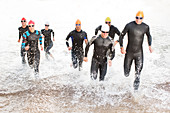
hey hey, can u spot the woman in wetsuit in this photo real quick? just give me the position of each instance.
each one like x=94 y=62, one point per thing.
x=48 y=43
x=31 y=37
x=22 y=30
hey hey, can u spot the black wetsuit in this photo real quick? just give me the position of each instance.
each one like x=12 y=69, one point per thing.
x=77 y=51
x=33 y=54
x=112 y=32
x=21 y=31
x=99 y=59
x=48 y=44
x=134 y=50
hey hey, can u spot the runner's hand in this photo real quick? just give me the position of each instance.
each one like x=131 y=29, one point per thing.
x=69 y=48
x=150 y=49
x=122 y=50
x=27 y=47
x=18 y=40
x=115 y=43
x=110 y=63
x=85 y=59
x=41 y=47
x=42 y=35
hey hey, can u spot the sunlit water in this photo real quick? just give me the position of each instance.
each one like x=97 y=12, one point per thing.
x=60 y=88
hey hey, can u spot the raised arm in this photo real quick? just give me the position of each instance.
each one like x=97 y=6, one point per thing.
x=97 y=29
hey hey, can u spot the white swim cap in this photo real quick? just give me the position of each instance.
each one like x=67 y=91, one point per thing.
x=105 y=27
x=47 y=23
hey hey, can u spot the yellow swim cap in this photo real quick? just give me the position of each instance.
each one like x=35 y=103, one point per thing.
x=108 y=19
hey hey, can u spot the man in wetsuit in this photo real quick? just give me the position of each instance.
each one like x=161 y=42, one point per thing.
x=113 y=30
x=77 y=36
x=102 y=44
x=134 y=51
x=48 y=43
x=31 y=37
x=22 y=30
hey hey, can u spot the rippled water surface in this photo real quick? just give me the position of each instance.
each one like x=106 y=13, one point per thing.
x=60 y=88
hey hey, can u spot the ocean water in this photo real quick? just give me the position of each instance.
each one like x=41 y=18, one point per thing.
x=60 y=88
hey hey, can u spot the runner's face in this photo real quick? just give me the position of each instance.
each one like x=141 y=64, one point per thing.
x=46 y=27
x=104 y=34
x=31 y=27
x=139 y=19
x=23 y=22
x=78 y=27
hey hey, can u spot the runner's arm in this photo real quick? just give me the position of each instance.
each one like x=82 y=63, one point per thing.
x=125 y=30
x=149 y=37
x=89 y=44
x=97 y=29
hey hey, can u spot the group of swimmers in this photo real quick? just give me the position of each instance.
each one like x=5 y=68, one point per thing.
x=104 y=46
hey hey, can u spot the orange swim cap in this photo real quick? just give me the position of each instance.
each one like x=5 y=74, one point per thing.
x=78 y=21
x=140 y=14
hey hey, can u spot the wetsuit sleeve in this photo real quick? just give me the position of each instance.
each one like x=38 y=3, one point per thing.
x=117 y=32
x=112 y=52
x=40 y=38
x=85 y=37
x=149 y=36
x=19 y=33
x=89 y=44
x=125 y=30
x=24 y=40
x=67 y=38
x=42 y=31
x=97 y=29
x=52 y=32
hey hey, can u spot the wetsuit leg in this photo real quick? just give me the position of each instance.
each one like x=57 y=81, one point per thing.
x=74 y=59
x=45 y=45
x=138 y=69
x=94 y=69
x=138 y=64
x=23 y=53
x=103 y=70
x=80 y=58
x=37 y=61
x=48 y=48
x=45 y=48
x=127 y=64
x=30 y=56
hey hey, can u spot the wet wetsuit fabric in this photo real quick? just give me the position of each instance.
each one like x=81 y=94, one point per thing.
x=33 y=54
x=112 y=32
x=77 y=51
x=48 y=44
x=134 y=50
x=21 y=32
x=99 y=59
